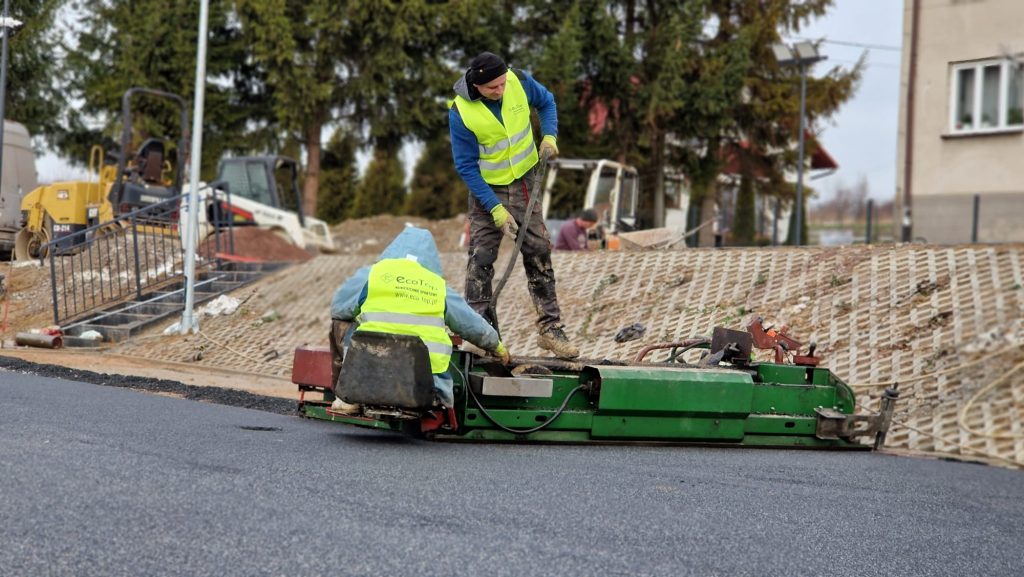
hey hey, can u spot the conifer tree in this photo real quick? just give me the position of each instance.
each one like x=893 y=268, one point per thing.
x=437 y=191
x=122 y=44
x=337 y=191
x=34 y=96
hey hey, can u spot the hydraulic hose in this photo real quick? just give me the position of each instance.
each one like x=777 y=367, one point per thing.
x=493 y=421
x=538 y=180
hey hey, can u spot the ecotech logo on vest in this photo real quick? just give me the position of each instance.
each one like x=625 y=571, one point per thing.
x=412 y=288
x=516 y=108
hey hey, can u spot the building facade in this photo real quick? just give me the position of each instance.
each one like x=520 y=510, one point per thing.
x=960 y=166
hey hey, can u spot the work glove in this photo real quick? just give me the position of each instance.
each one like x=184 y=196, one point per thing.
x=549 y=143
x=502 y=353
x=504 y=221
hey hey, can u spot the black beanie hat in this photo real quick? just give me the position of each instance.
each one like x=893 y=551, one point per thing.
x=484 y=68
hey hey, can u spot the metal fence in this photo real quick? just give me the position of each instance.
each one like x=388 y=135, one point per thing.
x=120 y=260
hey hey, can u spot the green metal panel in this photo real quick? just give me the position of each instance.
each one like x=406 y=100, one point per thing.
x=542 y=436
x=527 y=419
x=660 y=390
x=667 y=428
x=781 y=425
x=670 y=403
x=791 y=399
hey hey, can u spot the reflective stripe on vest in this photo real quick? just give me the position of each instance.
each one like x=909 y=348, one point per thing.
x=404 y=298
x=507 y=151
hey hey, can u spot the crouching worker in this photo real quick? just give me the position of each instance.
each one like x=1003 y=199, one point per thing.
x=403 y=293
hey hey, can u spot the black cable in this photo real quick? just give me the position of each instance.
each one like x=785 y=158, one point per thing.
x=676 y=351
x=538 y=183
x=481 y=408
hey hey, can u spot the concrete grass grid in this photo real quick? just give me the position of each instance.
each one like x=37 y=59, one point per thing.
x=878 y=313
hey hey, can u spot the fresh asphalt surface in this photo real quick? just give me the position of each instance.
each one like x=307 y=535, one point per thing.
x=97 y=480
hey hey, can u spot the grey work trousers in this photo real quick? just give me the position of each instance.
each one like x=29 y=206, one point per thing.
x=485 y=239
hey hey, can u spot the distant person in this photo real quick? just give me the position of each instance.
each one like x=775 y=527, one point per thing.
x=573 y=234
x=496 y=155
x=403 y=293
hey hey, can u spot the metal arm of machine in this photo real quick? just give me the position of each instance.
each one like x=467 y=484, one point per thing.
x=835 y=425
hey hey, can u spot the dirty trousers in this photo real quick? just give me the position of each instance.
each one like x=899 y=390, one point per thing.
x=484 y=240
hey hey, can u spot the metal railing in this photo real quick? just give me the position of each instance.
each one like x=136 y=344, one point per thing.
x=139 y=252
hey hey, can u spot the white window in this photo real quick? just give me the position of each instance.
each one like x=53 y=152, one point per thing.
x=986 y=97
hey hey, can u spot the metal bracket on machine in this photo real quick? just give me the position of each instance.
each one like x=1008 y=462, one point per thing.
x=835 y=425
x=778 y=341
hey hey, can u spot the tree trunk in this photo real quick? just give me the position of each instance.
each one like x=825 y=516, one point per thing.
x=743 y=224
x=658 y=162
x=312 y=185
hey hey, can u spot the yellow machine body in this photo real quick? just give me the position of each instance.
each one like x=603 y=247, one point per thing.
x=57 y=210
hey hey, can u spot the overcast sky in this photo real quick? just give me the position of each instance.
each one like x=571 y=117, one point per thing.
x=862 y=137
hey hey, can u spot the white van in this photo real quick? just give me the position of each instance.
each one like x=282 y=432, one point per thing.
x=19 y=179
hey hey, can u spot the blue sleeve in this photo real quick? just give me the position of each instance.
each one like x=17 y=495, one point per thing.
x=350 y=296
x=541 y=98
x=466 y=153
x=467 y=323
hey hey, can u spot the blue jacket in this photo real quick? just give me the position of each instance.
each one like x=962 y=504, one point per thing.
x=417 y=242
x=466 y=149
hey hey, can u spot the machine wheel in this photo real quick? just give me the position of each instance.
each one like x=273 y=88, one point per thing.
x=28 y=245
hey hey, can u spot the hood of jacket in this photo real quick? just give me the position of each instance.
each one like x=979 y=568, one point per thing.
x=416 y=242
x=466 y=90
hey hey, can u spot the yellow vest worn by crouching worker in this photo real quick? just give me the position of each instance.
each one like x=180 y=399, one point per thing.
x=507 y=150
x=404 y=298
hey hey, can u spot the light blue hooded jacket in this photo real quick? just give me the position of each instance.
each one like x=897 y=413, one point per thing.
x=419 y=244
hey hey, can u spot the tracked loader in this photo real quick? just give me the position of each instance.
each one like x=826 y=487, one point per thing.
x=54 y=211
x=723 y=398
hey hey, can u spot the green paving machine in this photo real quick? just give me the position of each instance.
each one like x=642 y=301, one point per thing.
x=722 y=398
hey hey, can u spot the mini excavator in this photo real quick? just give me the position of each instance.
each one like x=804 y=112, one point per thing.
x=723 y=398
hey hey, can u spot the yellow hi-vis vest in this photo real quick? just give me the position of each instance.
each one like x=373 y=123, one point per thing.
x=404 y=298
x=507 y=150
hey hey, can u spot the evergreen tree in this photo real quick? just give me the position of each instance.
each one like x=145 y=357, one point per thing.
x=336 y=194
x=437 y=191
x=744 y=223
x=34 y=98
x=382 y=189
x=768 y=117
x=122 y=44
x=297 y=45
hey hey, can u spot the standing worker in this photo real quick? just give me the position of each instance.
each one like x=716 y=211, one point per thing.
x=405 y=294
x=573 y=234
x=495 y=153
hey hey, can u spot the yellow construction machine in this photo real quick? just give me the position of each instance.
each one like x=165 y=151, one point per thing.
x=53 y=211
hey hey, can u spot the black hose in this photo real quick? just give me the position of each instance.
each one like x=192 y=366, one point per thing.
x=480 y=407
x=538 y=181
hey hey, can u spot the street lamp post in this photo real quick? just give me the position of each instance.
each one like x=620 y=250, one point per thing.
x=189 y=322
x=803 y=55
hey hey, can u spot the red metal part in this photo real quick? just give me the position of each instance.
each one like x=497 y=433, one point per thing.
x=778 y=341
x=312 y=366
x=435 y=420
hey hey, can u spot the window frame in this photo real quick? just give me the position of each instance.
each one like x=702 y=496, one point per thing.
x=979 y=66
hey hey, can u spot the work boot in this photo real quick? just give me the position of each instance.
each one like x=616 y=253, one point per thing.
x=553 y=339
x=340 y=406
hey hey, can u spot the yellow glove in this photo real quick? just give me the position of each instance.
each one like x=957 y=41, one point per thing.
x=502 y=353
x=549 y=143
x=504 y=221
